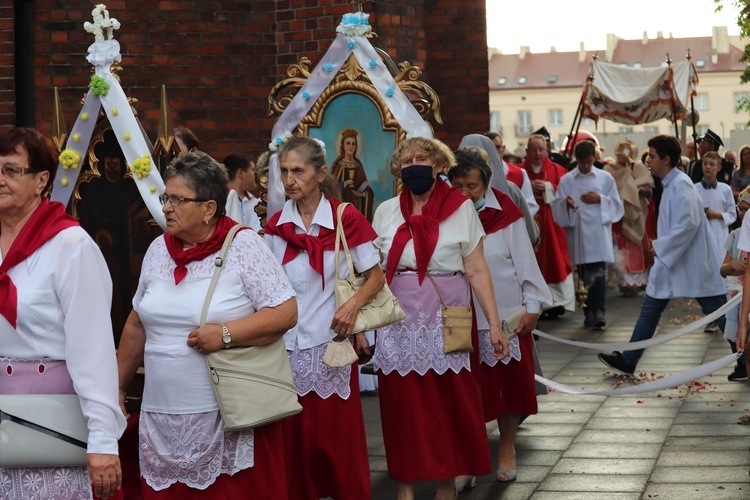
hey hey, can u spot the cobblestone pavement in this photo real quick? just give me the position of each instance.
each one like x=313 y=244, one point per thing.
x=682 y=443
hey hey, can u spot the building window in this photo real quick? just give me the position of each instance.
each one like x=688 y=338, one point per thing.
x=623 y=64
x=702 y=129
x=521 y=80
x=552 y=79
x=700 y=63
x=555 y=117
x=638 y=64
x=626 y=130
x=495 y=121
x=741 y=98
x=701 y=102
x=524 y=123
x=587 y=121
x=502 y=80
x=651 y=130
x=740 y=126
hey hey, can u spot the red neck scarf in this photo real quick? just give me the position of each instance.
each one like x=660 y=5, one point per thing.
x=356 y=229
x=494 y=220
x=47 y=220
x=200 y=251
x=443 y=201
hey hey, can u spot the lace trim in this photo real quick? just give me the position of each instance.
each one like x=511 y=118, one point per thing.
x=417 y=344
x=7 y=364
x=311 y=375
x=190 y=449
x=486 y=349
x=45 y=483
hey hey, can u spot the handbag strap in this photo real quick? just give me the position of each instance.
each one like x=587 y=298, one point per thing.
x=429 y=275
x=341 y=238
x=218 y=262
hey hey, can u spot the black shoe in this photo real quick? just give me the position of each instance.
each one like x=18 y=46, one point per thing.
x=588 y=321
x=599 y=322
x=616 y=362
x=739 y=374
x=712 y=328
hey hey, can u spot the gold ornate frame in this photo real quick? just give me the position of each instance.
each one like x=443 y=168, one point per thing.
x=351 y=78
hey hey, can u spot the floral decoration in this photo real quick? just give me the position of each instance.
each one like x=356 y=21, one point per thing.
x=373 y=63
x=141 y=167
x=389 y=92
x=76 y=137
x=98 y=85
x=328 y=67
x=354 y=24
x=127 y=136
x=305 y=95
x=278 y=141
x=69 y=159
x=101 y=20
x=64 y=181
x=84 y=116
x=152 y=189
x=114 y=111
x=351 y=45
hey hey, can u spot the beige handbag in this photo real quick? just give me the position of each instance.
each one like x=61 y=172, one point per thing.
x=383 y=310
x=510 y=323
x=253 y=385
x=456 y=325
x=340 y=353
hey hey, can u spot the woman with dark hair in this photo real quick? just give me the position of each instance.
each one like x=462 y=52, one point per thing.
x=55 y=330
x=741 y=177
x=326 y=449
x=508 y=387
x=351 y=176
x=186 y=140
x=431 y=239
x=185 y=452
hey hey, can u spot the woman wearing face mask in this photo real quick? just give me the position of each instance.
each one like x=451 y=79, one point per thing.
x=508 y=389
x=433 y=427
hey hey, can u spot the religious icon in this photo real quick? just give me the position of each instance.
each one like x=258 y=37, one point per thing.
x=350 y=174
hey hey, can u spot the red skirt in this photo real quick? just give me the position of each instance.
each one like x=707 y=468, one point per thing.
x=432 y=426
x=510 y=388
x=131 y=470
x=326 y=447
x=265 y=480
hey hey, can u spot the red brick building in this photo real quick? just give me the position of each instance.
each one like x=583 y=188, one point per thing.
x=219 y=60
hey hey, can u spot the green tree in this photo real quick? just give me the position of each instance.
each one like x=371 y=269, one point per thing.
x=743 y=21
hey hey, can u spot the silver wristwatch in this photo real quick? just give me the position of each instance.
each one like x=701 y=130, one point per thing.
x=226 y=337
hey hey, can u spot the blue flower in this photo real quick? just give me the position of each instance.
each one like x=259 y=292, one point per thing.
x=305 y=95
x=389 y=92
x=328 y=67
x=373 y=63
x=279 y=141
x=351 y=45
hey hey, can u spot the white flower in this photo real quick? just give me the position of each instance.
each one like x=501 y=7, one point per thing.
x=287 y=135
x=272 y=146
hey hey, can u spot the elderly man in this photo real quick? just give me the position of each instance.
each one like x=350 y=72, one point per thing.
x=710 y=142
x=552 y=251
x=513 y=173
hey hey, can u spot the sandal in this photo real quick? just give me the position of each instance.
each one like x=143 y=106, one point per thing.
x=744 y=420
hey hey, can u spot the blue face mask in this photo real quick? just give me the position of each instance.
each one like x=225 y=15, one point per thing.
x=479 y=204
x=418 y=178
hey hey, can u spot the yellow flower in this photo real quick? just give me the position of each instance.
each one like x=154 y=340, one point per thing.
x=141 y=166
x=64 y=181
x=69 y=158
x=76 y=137
x=127 y=136
x=153 y=189
x=84 y=116
x=114 y=111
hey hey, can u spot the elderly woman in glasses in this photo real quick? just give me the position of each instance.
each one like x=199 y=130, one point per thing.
x=184 y=451
x=55 y=330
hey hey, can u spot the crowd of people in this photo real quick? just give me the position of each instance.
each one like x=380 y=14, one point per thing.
x=512 y=242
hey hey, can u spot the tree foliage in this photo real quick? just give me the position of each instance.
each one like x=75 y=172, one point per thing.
x=743 y=22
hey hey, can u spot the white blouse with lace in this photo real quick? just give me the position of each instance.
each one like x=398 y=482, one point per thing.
x=177 y=389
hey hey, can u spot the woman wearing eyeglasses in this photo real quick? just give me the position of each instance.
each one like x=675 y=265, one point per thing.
x=184 y=451
x=55 y=330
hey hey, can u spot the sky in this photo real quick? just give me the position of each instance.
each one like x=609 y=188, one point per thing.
x=542 y=24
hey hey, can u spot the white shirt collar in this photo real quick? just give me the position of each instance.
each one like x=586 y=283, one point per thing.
x=323 y=216
x=578 y=173
x=490 y=200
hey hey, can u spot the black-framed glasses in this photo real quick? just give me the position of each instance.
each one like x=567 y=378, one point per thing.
x=176 y=200
x=13 y=172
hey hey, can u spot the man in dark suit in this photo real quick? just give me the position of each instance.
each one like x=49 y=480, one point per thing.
x=710 y=142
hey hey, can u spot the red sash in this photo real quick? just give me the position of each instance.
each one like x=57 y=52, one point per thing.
x=494 y=220
x=48 y=219
x=443 y=201
x=182 y=257
x=356 y=229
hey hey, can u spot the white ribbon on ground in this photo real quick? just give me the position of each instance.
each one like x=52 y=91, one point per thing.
x=668 y=382
x=643 y=344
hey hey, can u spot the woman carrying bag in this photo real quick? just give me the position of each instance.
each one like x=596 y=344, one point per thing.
x=185 y=451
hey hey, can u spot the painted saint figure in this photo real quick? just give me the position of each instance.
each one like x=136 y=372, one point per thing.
x=350 y=173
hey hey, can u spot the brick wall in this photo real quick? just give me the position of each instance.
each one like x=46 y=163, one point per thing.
x=7 y=68
x=219 y=60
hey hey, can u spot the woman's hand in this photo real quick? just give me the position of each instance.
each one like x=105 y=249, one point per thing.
x=499 y=342
x=738 y=267
x=527 y=324
x=206 y=339
x=344 y=319
x=105 y=474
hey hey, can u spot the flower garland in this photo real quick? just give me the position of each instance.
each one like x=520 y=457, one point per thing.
x=101 y=20
x=98 y=85
x=142 y=166
x=274 y=145
x=69 y=159
x=355 y=24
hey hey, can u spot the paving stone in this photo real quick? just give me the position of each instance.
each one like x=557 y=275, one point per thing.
x=612 y=450
x=526 y=457
x=579 y=495
x=698 y=430
x=718 y=475
x=634 y=437
x=593 y=483
x=707 y=443
x=696 y=491
x=547 y=429
x=558 y=418
x=700 y=458
x=639 y=412
x=543 y=442
x=603 y=466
